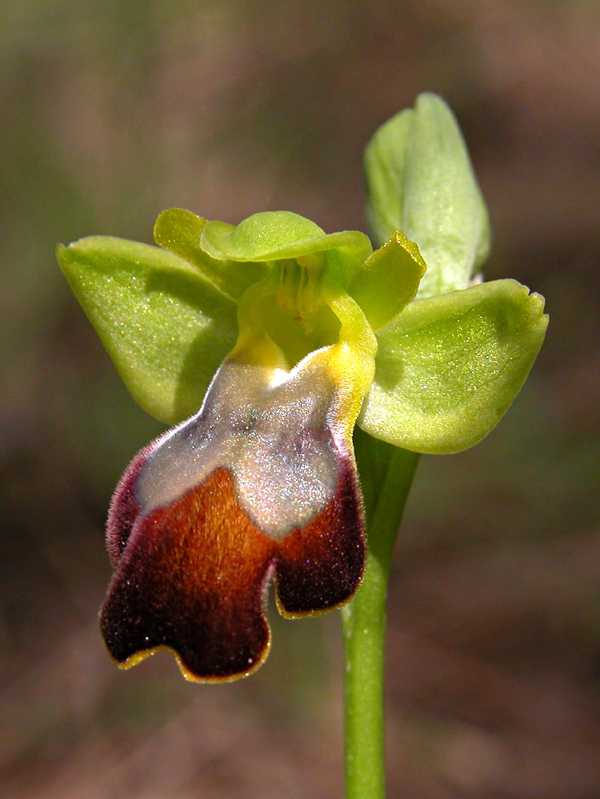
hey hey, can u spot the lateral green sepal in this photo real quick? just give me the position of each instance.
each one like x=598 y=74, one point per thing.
x=179 y=231
x=389 y=280
x=449 y=367
x=165 y=326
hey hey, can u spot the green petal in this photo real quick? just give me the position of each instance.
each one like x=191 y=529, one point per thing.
x=277 y=235
x=450 y=366
x=179 y=231
x=389 y=280
x=421 y=181
x=166 y=328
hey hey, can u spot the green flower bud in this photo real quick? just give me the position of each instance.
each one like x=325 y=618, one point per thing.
x=420 y=181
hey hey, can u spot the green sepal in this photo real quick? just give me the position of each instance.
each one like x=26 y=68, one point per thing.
x=280 y=235
x=389 y=280
x=165 y=327
x=179 y=231
x=420 y=180
x=449 y=367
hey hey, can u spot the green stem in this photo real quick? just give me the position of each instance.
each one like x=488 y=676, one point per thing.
x=386 y=476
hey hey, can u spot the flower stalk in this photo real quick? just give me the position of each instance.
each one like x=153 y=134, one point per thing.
x=387 y=474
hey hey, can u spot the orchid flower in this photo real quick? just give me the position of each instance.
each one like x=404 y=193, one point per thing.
x=264 y=344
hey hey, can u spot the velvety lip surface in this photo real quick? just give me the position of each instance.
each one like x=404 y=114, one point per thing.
x=193 y=576
x=260 y=483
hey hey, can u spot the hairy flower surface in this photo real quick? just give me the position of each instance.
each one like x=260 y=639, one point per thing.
x=264 y=344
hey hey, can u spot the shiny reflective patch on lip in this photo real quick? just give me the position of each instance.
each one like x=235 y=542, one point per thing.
x=273 y=435
x=194 y=574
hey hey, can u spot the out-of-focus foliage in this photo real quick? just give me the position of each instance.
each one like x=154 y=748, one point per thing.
x=113 y=111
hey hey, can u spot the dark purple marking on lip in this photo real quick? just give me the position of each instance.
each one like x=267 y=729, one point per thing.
x=124 y=507
x=320 y=566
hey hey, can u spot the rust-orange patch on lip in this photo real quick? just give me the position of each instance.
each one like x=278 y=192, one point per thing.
x=193 y=575
x=191 y=579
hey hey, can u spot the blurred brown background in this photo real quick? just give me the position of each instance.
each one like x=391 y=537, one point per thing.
x=114 y=110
